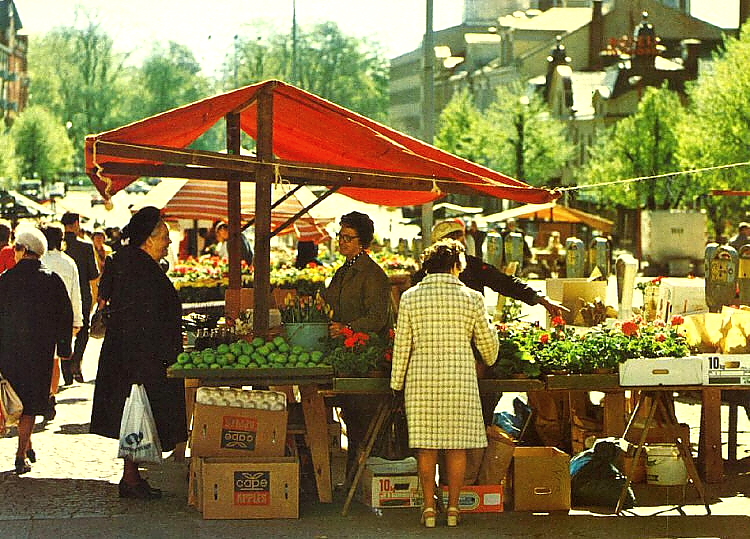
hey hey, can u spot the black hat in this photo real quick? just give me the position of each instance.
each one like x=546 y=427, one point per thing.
x=70 y=218
x=141 y=225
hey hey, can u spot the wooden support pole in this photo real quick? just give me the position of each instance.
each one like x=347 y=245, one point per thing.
x=263 y=181
x=234 y=205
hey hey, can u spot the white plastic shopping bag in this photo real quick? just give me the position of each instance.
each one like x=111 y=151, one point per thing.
x=139 y=439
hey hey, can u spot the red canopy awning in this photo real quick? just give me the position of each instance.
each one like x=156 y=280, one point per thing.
x=311 y=135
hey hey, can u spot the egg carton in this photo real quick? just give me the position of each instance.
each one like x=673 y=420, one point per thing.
x=241 y=398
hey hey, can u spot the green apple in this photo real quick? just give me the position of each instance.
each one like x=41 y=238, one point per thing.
x=243 y=359
x=208 y=358
x=270 y=345
x=258 y=342
x=304 y=357
x=230 y=357
x=215 y=366
x=316 y=356
x=188 y=366
x=223 y=348
x=297 y=349
x=183 y=357
x=235 y=348
x=284 y=348
x=221 y=361
x=176 y=366
x=278 y=341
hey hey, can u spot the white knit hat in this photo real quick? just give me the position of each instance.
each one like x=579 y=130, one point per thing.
x=32 y=239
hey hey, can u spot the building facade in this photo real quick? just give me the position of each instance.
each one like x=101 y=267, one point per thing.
x=14 y=79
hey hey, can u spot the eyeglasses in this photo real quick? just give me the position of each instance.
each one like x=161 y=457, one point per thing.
x=345 y=237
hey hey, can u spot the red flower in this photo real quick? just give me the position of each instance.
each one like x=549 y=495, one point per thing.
x=677 y=320
x=388 y=355
x=630 y=328
x=660 y=337
x=347 y=332
x=558 y=321
x=544 y=338
x=351 y=342
x=391 y=333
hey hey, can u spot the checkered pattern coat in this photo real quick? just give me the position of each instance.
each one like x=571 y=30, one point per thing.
x=433 y=362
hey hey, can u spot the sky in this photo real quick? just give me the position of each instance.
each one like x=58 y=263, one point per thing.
x=208 y=27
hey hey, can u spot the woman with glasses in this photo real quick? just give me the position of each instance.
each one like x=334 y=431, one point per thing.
x=360 y=298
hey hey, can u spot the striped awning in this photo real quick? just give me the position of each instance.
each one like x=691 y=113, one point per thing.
x=206 y=199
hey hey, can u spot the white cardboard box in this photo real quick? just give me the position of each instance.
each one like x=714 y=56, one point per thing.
x=389 y=490
x=680 y=296
x=664 y=371
x=726 y=369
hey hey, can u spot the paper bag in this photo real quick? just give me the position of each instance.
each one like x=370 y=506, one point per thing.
x=497 y=456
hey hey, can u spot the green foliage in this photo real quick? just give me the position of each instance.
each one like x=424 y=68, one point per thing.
x=717 y=128
x=525 y=141
x=461 y=129
x=8 y=163
x=76 y=74
x=41 y=144
x=515 y=136
x=350 y=71
x=644 y=144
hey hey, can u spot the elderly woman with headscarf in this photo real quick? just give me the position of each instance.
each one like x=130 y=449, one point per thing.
x=35 y=317
x=144 y=336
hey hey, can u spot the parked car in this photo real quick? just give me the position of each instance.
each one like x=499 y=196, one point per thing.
x=57 y=190
x=31 y=189
x=138 y=187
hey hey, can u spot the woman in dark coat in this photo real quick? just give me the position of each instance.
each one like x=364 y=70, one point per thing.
x=360 y=297
x=144 y=336
x=35 y=317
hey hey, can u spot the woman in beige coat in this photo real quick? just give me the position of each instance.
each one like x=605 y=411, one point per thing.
x=438 y=321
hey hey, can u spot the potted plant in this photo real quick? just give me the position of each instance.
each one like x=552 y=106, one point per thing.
x=357 y=354
x=514 y=359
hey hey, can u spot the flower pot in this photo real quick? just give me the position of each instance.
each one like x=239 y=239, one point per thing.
x=378 y=374
x=519 y=376
x=603 y=370
x=308 y=335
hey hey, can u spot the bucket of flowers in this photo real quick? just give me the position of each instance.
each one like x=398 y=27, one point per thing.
x=306 y=319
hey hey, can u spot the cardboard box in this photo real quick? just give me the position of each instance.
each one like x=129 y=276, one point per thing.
x=665 y=371
x=250 y=488
x=389 y=490
x=541 y=479
x=726 y=369
x=568 y=292
x=479 y=498
x=195 y=486
x=681 y=296
x=225 y=431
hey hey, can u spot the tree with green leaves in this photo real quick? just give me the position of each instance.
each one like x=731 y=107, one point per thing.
x=642 y=145
x=347 y=70
x=717 y=130
x=77 y=75
x=8 y=165
x=42 y=146
x=516 y=135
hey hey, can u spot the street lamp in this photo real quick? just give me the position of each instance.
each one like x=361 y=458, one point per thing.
x=523 y=101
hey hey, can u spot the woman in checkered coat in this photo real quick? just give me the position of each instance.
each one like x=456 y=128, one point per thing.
x=438 y=321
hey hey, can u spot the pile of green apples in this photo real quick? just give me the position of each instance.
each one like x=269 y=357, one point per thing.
x=260 y=353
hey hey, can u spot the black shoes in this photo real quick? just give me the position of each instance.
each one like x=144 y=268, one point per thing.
x=50 y=412
x=140 y=491
x=22 y=466
x=31 y=455
x=78 y=377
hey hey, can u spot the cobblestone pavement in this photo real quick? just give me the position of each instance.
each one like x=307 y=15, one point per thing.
x=72 y=492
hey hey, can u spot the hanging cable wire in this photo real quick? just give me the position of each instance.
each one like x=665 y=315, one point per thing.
x=655 y=177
